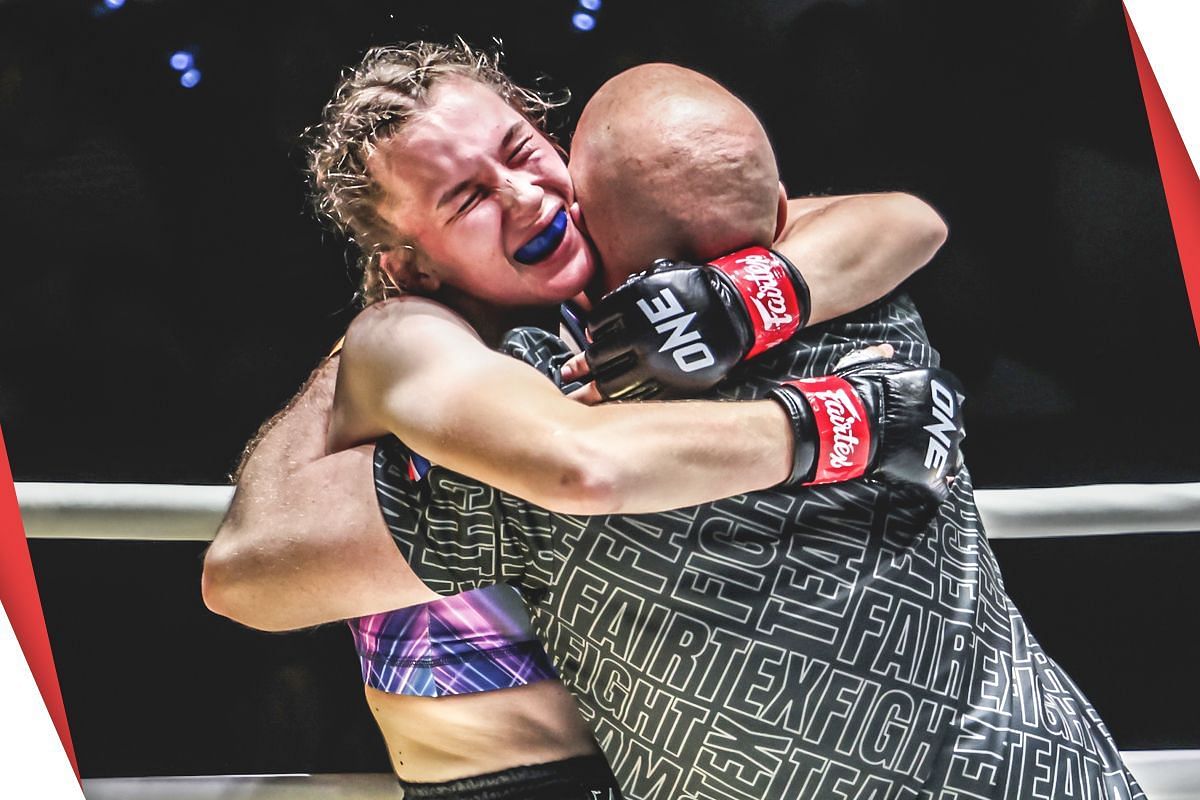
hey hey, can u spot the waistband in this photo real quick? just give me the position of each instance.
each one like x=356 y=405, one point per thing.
x=580 y=778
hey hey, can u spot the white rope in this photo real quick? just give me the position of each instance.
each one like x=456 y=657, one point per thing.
x=1097 y=510
x=245 y=787
x=122 y=510
x=159 y=511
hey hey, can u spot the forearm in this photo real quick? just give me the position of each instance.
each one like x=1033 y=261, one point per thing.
x=304 y=542
x=413 y=370
x=647 y=457
x=322 y=553
x=853 y=250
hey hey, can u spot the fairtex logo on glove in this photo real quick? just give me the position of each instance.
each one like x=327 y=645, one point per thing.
x=842 y=428
x=763 y=281
x=839 y=408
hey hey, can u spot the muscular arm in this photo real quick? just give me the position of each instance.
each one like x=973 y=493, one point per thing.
x=303 y=541
x=415 y=369
x=852 y=250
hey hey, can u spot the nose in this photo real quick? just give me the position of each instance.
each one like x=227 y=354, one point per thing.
x=521 y=196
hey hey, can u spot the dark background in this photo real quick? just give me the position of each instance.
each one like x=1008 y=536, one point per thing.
x=165 y=289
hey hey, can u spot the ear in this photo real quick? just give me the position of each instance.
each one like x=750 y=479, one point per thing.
x=403 y=265
x=576 y=214
x=781 y=213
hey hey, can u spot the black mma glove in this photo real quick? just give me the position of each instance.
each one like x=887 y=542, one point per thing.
x=678 y=328
x=892 y=422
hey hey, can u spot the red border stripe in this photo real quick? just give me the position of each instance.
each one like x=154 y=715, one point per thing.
x=19 y=595
x=1180 y=183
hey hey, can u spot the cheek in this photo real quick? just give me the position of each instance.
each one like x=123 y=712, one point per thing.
x=552 y=171
x=474 y=234
x=470 y=252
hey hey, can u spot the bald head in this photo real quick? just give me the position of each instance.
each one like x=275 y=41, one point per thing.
x=668 y=164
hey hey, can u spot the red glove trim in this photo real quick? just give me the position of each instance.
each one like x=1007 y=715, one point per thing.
x=843 y=431
x=764 y=280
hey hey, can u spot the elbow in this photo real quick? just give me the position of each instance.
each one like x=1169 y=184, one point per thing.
x=936 y=230
x=926 y=226
x=218 y=583
x=228 y=588
x=587 y=480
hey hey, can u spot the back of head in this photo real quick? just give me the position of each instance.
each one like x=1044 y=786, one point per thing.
x=669 y=164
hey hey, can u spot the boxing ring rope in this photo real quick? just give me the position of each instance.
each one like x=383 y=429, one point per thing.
x=192 y=513
x=160 y=512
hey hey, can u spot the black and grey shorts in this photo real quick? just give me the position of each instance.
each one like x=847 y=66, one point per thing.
x=580 y=778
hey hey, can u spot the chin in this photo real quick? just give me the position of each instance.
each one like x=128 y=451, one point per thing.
x=569 y=281
x=576 y=272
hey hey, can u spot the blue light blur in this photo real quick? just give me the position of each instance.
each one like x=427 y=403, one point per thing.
x=583 y=21
x=590 y=5
x=114 y=4
x=190 y=78
x=182 y=60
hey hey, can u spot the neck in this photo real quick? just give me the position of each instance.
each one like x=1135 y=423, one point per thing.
x=601 y=284
x=491 y=323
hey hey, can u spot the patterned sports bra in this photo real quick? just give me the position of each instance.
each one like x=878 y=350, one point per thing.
x=471 y=642
x=475 y=641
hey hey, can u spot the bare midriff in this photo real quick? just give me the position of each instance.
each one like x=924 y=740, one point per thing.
x=435 y=739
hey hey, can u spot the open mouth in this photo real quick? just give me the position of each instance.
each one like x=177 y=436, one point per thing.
x=545 y=243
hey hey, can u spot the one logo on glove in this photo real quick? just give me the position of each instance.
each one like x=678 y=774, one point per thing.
x=762 y=280
x=938 y=449
x=666 y=314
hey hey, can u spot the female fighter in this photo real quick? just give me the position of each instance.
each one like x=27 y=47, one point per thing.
x=431 y=160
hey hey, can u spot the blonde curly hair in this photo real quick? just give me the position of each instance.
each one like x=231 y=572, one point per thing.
x=372 y=103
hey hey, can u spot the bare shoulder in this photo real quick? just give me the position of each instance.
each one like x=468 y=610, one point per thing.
x=397 y=354
x=799 y=206
x=404 y=326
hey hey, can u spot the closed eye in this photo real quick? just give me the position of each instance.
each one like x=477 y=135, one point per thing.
x=473 y=198
x=521 y=152
x=517 y=156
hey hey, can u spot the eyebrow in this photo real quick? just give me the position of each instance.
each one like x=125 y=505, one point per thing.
x=462 y=185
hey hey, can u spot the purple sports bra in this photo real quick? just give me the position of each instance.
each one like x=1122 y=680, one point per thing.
x=471 y=642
